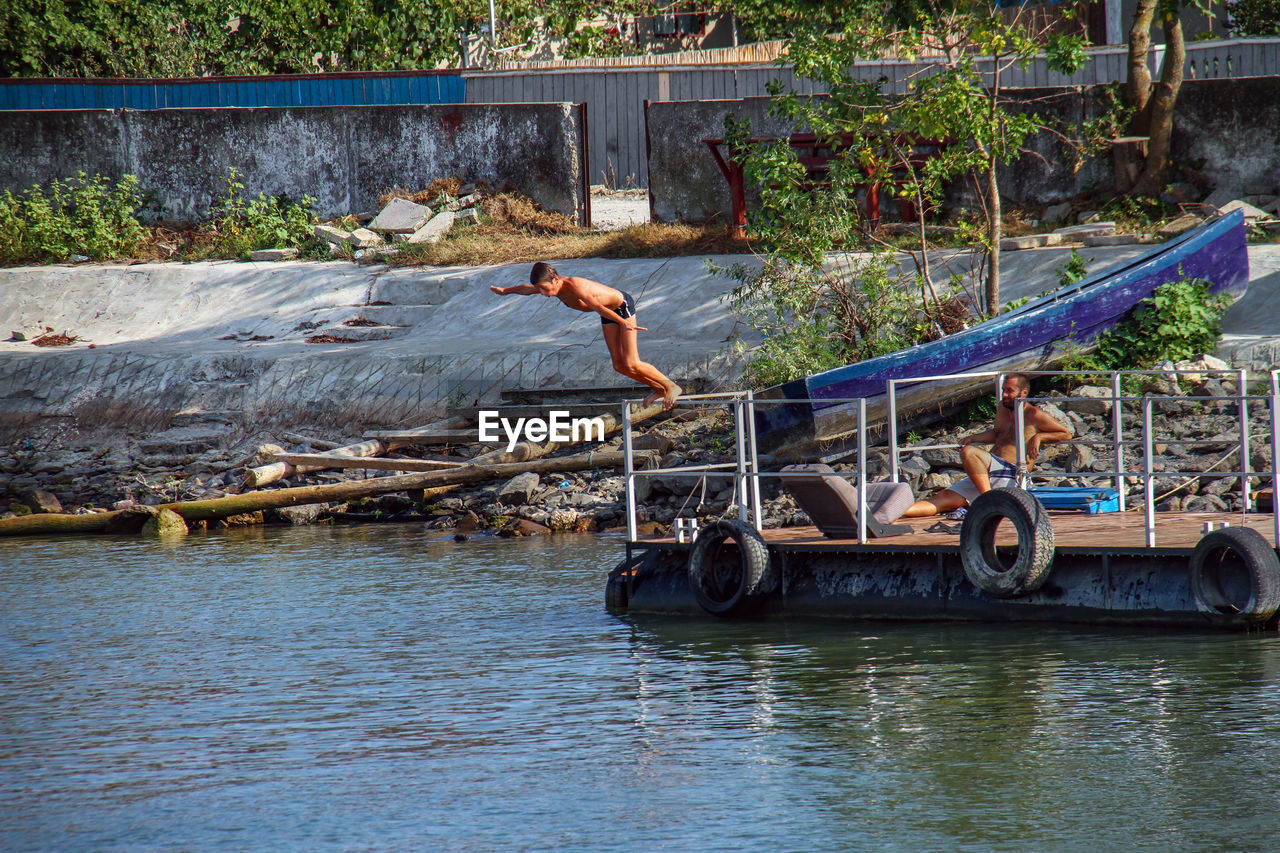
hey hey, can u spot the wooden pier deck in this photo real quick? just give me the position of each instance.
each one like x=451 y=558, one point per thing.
x=1117 y=531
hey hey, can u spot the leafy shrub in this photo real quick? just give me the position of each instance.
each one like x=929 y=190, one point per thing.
x=81 y=216
x=1075 y=269
x=1181 y=320
x=1136 y=213
x=818 y=317
x=1254 y=17
x=241 y=225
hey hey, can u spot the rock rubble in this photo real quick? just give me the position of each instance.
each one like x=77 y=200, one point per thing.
x=1260 y=211
x=406 y=221
x=1196 y=446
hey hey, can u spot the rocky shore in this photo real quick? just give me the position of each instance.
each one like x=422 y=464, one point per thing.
x=1196 y=444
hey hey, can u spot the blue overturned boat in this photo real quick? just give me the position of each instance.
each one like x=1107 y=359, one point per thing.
x=1034 y=336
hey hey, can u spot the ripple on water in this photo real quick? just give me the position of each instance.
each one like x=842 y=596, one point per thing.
x=374 y=688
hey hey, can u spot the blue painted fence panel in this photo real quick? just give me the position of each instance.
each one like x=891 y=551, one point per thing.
x=318 y=90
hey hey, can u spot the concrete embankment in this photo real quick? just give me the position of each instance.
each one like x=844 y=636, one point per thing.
x=227 y=341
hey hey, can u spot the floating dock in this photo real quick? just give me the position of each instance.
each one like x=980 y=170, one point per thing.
x=1102 y=573
x=1009 y=559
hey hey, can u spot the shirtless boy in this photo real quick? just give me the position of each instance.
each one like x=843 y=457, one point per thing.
x=998 y=468
x=617 y=312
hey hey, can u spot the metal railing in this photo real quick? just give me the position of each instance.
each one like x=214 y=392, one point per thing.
x=745 y=470
x=746 y=474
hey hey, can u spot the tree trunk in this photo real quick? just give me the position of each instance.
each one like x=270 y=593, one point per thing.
x=281 y=469
x=994 y=233
x=995 y=211
x=522 y=452
x=1137 y=88
x=1155 y=174
x=210 y=510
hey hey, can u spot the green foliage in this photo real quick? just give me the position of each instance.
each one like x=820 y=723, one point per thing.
x=876 y=134
x=84 y=216
x=815 y=317
x=1075 y=269
x=818 y=309
x=244 y=225
x=1254 y=17
x=764 y=20
x=978 y=409
x=1181 y=320
x=1136 y=213
x=193 y=38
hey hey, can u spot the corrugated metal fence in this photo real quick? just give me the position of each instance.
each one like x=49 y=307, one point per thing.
x=616 y=96
x=294 y=90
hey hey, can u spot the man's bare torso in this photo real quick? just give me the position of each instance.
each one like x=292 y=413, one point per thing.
x=575 y=288
x=1006 y=446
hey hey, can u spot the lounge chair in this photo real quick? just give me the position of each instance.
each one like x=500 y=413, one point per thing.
x=831 y=501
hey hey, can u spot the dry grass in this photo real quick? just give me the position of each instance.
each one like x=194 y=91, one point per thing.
x=502 y=243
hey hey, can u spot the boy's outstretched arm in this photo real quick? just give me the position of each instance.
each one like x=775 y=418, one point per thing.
x=521 y=289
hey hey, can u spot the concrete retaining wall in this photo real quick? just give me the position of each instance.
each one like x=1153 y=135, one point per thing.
x=1230 y=129
x=1226 y=129
x=344 y=157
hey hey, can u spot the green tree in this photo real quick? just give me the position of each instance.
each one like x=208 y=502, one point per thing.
x=875 y=131
x=1254 y=17
x=191 y=38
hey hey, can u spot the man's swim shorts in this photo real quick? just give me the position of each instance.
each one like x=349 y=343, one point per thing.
x=1003 y=475
x=625 y=310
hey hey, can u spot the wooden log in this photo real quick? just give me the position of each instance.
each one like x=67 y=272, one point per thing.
x=264 y=475
x=275 y=471
x=305 y=460
x=216 y=508
x=424 y=435
x=298 y=438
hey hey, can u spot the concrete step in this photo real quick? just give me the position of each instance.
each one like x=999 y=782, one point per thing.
x=210 y=419
x=614 y=394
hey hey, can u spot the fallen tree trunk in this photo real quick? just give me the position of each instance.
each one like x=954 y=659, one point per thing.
x=216 y=508
x=281 y=469
x=525 y=451
x=311 y=460
x=275 y=471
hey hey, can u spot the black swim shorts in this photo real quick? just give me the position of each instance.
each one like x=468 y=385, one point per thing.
x=627 y=309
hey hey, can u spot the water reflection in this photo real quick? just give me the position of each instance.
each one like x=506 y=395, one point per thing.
x=377 y=688
x=1012 y=736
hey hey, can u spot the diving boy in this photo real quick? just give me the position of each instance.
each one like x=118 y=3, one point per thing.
x=617 y=312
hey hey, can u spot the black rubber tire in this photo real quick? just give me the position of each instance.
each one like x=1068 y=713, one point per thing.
x=983 y=565
x=1235 y=571
x=730 y=580
x=618 y=583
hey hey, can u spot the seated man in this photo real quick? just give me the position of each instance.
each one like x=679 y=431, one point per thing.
x=998 y=468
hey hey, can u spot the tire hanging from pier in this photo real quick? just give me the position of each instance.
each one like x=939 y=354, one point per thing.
x=1234 y=570
x=982 y=561
x=725 y=583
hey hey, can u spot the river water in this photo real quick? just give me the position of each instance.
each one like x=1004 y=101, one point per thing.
x=374 y=688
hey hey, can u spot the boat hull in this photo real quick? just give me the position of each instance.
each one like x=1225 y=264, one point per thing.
x=1035 y=336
